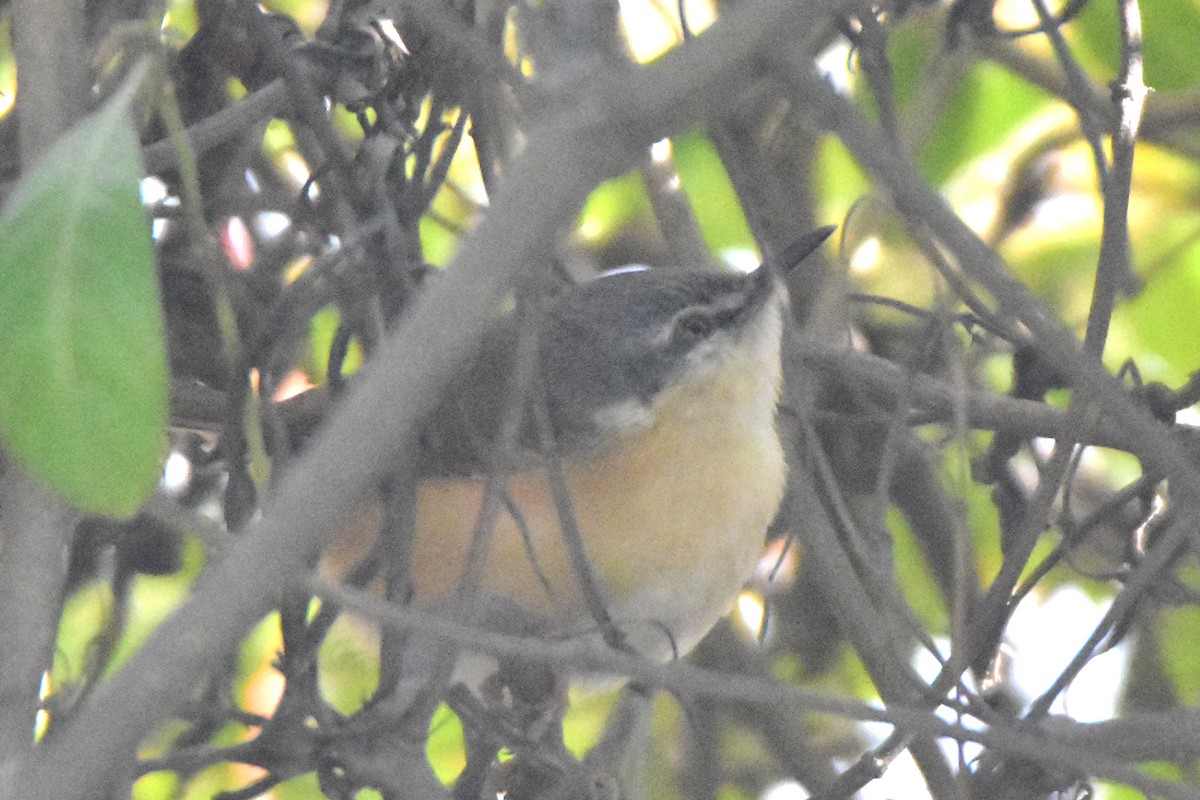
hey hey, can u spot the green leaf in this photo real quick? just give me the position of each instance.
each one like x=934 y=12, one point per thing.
x=983 y=105
x=1168 y=47
x=83 y=392
x=915 y=580
x=1178 y=629
x=1157 y=326
x=612 y=207
x=716 y=205
x=840 y=181
x=445 y=748
x=988 y=105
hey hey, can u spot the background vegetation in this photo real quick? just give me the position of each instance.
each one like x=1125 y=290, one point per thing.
x=984 y=581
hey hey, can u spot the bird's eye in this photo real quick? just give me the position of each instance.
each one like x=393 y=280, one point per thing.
x=694 y=325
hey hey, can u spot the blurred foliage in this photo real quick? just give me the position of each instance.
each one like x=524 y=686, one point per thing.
x=713 y=199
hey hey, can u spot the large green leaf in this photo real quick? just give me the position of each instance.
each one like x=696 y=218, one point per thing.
x=83 y=375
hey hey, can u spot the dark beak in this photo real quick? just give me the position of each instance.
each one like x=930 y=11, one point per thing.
x=765 y=276
x=803 y=247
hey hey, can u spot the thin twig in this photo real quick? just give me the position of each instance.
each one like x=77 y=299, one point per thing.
x=1114 y=272
x=883 y=651
x=586 y=578
x=213 y=131
x=933 y=401
x=1138 y=583
x=1055 y=749
x=310 y=108
x=1076 y=90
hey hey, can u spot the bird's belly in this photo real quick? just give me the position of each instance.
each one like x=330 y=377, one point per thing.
x=671 y=533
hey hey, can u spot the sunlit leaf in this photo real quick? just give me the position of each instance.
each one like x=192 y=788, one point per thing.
x=715 y=204
x=987 y=106
x=321 y=333
x=980 y=519
x=1057 y=261
x=156 y=597
x=209 y=782
x=438 y=243
x=1169 y=42
x=84 y=616
x=840 y=182
x=610 y=208
x=180 y=20
x=883 y=259
x=445 y=747
x=949 y=122
x=349 y=662
x=154 y=785
x=1179 y=628
x=584 y=726
x=910 y=45
x=83 y=398
x=8 y=68
x=1158 y=328
x=916 y=583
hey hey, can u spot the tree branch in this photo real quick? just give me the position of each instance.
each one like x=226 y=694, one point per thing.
x=921 y=206
x=36 y=528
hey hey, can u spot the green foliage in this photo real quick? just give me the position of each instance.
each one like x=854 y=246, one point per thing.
x=988 y=105
x=1169 y=41
x=155 y=785
x=611 y=207
x=1180 y=628
x=8 y=72
x=84 y=393
x=706 y=184
x=84 y=615
x=437 y=242
x=349 y=663
x=302 y=787
x=913 y=578
x=157 y=596
x=1158 y=325
x=322 y=330
x=445 y=747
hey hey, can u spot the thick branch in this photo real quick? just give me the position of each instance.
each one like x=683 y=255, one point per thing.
x=52 y=71
x=33 y=569
x=936 y=402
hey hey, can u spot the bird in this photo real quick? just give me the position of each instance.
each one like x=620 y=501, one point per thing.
x=652 y=409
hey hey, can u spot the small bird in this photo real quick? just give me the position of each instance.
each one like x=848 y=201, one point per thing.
x=659 y=389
